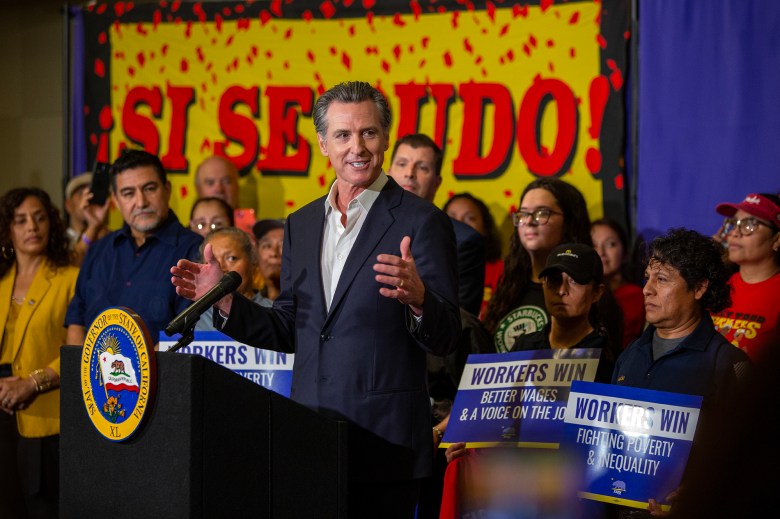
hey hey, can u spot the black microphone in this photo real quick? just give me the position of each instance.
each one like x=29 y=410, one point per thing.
x=190 y=315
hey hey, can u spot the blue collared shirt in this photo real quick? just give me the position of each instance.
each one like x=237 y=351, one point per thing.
x=116 y=272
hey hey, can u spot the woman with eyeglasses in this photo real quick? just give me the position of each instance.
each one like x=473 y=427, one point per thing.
x=209 y=214
x=752 y=231
x=551 y=212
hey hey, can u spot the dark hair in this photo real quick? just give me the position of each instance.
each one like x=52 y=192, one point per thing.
x=623 y=237
x=517 y=263
x=350 y=92
x=420 y=140
x=697 y=258
x=492 y=237
x=131 y=159
x=57 y=249
x=224 y=205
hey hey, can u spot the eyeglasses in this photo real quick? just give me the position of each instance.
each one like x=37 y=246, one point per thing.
x=746 y=226
x=211 y=226
x=554 y=281
x=539 y=217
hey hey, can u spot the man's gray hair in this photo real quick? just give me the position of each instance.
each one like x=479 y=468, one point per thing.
x=350 y=92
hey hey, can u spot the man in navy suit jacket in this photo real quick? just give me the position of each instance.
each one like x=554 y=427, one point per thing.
x=369 y=286
x=416 y=166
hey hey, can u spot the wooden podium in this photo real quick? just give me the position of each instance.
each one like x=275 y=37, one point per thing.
x=215 y=445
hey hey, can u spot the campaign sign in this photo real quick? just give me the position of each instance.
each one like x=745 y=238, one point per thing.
x=633 y=443
x=517 y=398
x=270 y=369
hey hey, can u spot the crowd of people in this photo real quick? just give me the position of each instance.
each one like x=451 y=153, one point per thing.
x=700 y=318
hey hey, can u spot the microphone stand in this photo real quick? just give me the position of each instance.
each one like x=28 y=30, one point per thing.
x=187 y=336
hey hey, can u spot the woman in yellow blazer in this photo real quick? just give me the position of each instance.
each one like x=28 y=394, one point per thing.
x=36 y=285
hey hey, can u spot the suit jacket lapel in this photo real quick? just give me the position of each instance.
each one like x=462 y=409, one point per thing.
x=35 y=294
x=378 y=220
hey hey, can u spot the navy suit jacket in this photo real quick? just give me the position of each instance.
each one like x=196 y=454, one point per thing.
x=471 y=266
x=359 y=361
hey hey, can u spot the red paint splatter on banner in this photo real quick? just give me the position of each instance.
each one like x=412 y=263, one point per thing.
x=478 y=60
x=455 y=16
x=422 y=64
x=346 y=3
x=550 y=66
x=333 y=51
x=397 y=53
x=289 y=203
x=229 y=41
x=447 y=59
x=370 y=20
x=141 y=59
x=288 y=33
x=504 y=30
x=510 y=55
x=519 y=11
x=627 y=35
x=321 y=180
x=175 y=5
x=205 y=145
x=368 y=4
x=572 y=52
x=265 y=17
x=139 y=28
x=532 y=40
x=416 y=9
x=424 y=42
x=397 y=20
x=188 y=31
x=385 y=66
x=93 y=139
x=102 y=38
x=619 y=182
x=199 y=53
x=156 y=19
x=372 y=50
x=550 y=43
x=491 y=11
x=467 y=46
x=616 y=76
x=310 y=56
x=239 y=9
x=602 y=41
x=526 y=49
x=346 y=61
x=327 y=9
x=131 y=71
x=545 y=4
x=100 y=68
x=351 y=30
x=276 y=7
x=119 y=9
x=183 y=191
x=243 y=24
x=574 y=18
x=105 y=120
x=598 y=93
x=218 y=23
x=184 y=67
x=507 y=193
x=307 y=15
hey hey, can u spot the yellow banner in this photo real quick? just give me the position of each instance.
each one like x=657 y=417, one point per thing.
x=510 y=93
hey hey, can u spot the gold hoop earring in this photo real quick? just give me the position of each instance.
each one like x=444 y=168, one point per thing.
x=7 y=252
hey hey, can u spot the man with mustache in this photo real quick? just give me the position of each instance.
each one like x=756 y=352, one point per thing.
x=129 y=267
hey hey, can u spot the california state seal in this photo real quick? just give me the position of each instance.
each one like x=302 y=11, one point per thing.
x=118 y=373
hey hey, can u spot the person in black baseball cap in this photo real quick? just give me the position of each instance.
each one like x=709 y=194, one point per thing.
x=572 y=280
